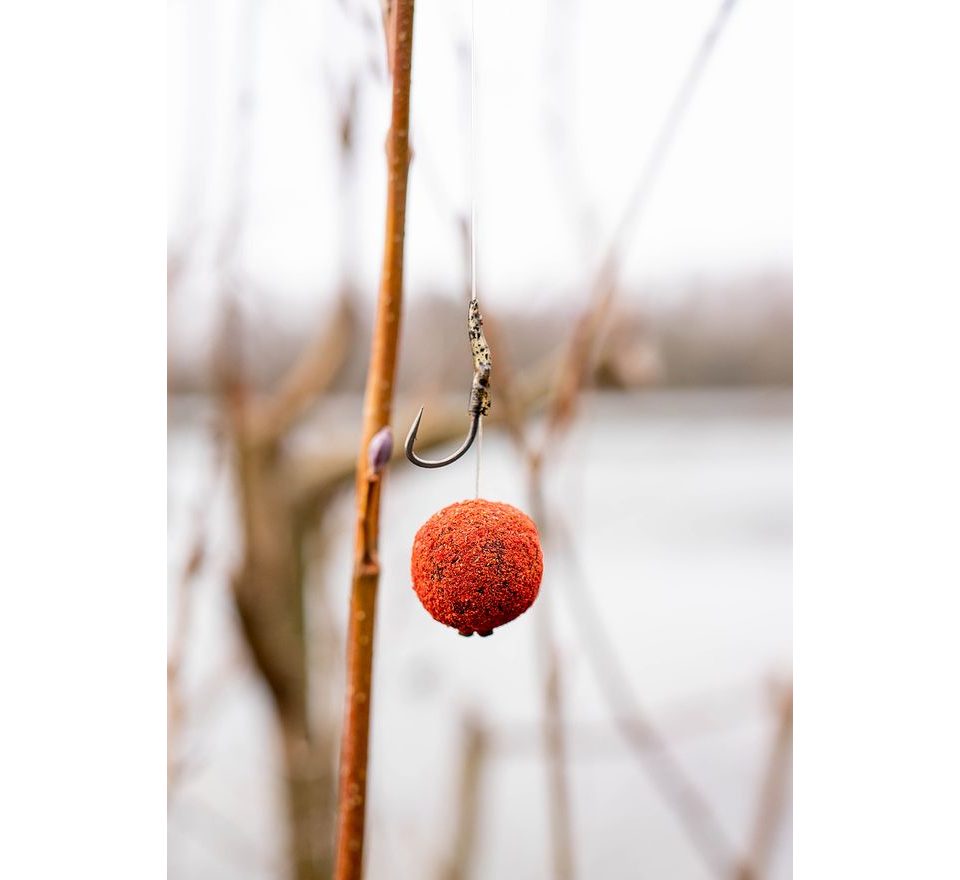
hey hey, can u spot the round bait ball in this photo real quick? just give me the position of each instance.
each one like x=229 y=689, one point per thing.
x=477 y=565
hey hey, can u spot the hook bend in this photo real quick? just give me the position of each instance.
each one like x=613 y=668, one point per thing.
x=442 y=462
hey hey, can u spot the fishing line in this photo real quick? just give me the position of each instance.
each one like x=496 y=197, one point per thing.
x=474 y=165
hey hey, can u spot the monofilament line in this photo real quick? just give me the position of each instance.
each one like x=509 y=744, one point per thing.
x=479 y=455
x=474 y=163
x=473 y=149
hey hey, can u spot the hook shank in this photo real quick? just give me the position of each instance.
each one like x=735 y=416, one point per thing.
x=479 y=394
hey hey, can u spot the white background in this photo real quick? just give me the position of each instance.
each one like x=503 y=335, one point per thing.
x=570 y=98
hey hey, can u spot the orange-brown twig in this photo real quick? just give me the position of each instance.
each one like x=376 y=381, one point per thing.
x=376 y=415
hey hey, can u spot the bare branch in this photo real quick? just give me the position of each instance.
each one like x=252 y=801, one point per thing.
x=773 y=793
x=474 y=757
x=378 y=402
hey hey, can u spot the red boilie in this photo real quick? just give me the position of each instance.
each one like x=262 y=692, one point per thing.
x=477 y=565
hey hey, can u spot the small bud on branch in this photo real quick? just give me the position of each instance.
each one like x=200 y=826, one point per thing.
x=380 y=451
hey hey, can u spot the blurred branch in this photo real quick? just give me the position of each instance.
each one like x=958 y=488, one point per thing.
x=268 y=592
x=196 y=557
x=554 y=735
x=268 y=584
x=555 y=738
x=692 y=720
x=607 y=277
x=773 y=793
x=511 y=408
x=703 y=829
x=178 y=262
x=666 y=773
x=576 y=368
x=311 y=375
x=474 y=756
x=588 y=329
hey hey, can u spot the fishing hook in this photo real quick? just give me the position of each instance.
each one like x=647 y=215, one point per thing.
x=479 y=394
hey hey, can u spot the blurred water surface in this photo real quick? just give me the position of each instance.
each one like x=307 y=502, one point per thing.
x=673 y=522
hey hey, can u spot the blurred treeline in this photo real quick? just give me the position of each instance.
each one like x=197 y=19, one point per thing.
x=707 y=334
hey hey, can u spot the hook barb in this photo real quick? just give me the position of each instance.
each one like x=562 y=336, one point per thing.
x=442 y=462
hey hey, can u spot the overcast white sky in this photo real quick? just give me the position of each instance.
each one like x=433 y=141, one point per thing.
x=604 y=71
